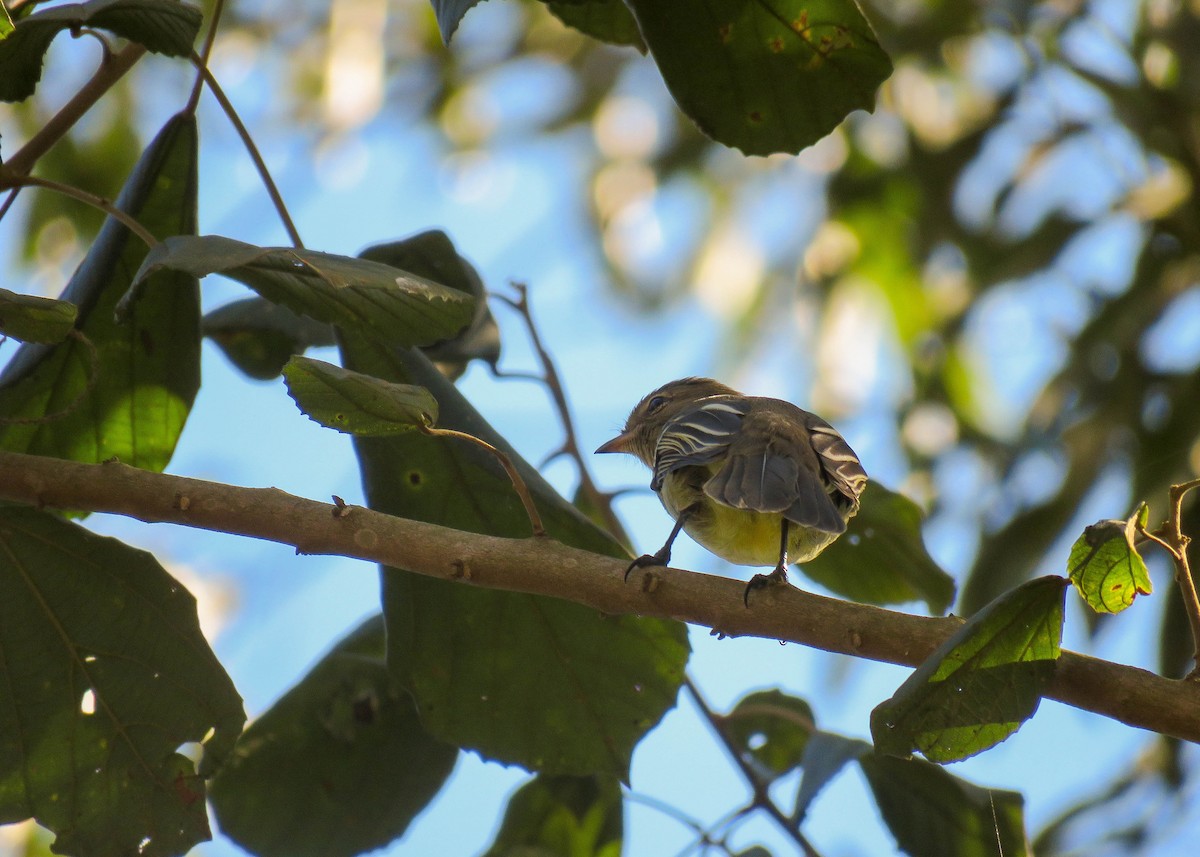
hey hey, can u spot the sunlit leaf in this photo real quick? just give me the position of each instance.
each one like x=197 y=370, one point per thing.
x=768 y=76
x=355 y=403
x=1105 y=565
x=105 y=674
x=771 y=728
x=161 y=26
x=935 y=814
x=576 y=816
x=123 y=389
x=6 y=24
x=523 y=679
x=375 y=299
x=338 y=766
x=30 y=318
x=259 y=336
x=982 y=683
x=881 y=558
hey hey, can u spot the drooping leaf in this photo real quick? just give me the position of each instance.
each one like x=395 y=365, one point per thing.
x=31 y=318
x=825 y=755
x=338 y=766
x=259 y=336
x=772 y=729
x=881 y=558
x=768 y=76
x=161 y=26
x=355 y=403
x=982 y=683
x=579 y=816
x=432 y=255
x=935 y=814
x=105 y=674
x=449 y=13
x=605 y=20
x=372 y=298
x=1105 y=565
x=122 y=389
x=523 y=679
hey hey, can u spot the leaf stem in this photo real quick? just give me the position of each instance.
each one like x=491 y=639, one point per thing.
x=535 y=519
x=201 y=59
x=10 y=180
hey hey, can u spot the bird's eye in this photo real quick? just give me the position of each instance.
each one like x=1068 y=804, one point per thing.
x=656 y=404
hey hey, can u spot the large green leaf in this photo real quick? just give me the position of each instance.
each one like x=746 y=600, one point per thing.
x=338 y=766
x=935 y=814
x=527 y=679
x=881 y=558
x=982 y=683
x=129 y=397
x=105 y=674
x=765 y=76
x=374 y=299
x=355 y=403
x=552 y=816
x=30 y=318
x=1105 y=565
x=605 y=20
x=162 y=26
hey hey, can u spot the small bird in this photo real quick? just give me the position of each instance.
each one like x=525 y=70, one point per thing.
x=757 y=481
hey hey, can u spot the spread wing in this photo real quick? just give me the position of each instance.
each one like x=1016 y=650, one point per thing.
x=791 y=462
x=699 y=435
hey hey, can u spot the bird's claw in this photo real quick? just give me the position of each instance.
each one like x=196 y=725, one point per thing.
x=761 y=581
x=646 y=561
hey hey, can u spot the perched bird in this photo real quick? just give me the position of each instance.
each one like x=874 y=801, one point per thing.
x=757 y=481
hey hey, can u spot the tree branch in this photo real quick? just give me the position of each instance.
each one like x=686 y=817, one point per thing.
x=541 y=566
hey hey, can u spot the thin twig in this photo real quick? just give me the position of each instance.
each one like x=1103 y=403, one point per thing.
x=252 y=149
x=598 y=499
x=8 y=180
x=1177 y=544
x=202 y=58
x=762 y=798
x=535 y=519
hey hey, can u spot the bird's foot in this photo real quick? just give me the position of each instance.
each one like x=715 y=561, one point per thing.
x=761 y=581
x=647 y=560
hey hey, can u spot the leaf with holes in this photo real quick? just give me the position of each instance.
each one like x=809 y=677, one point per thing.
x=768 y=76
x=31 y=318
x=982 y=683
x=120 y=389
x=355 y=403
x=522 y=679
x=1105 y=565
x=771 y=728
x=374 y=299
x=106 y=675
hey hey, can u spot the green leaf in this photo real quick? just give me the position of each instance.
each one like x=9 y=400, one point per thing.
x=449 y=13
x=766 y=76
x=772 y=729
x=6 y=24
x=935 y=814
x=355 y=403
x=105 y=675
x=881 y=558
x=523 y=679
x=35 y=319
x=161 y=26
x=982 y=683
x=1105 y=565
x=432 y=255
x=825 y=755
x=605 y=20
x=338 y=766
x=550 y=816
x=259 y=337
x=380 y=301
x=130 y=396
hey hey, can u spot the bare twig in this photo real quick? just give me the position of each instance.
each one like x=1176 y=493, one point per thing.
x=9 y=180
x=545 y=567
x=535 y=519
x=570 y=446
x=1172 y=539
x=252 y=149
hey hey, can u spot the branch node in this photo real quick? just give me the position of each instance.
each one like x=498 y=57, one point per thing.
x=340 y=507
x=462 y=570
x=182 y=501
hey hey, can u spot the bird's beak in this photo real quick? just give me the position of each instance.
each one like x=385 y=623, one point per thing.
x=620 y=443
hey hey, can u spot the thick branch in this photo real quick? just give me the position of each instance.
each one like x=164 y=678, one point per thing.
x=544 y=567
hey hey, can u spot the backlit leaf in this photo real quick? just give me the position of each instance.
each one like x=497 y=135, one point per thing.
x=1105 y=565
x=355 y=403
x=31 y=318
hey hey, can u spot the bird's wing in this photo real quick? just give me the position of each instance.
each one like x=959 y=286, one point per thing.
x=787 y=465
x=699 y=435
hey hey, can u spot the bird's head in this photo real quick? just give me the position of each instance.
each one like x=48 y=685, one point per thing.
x=647 y=421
